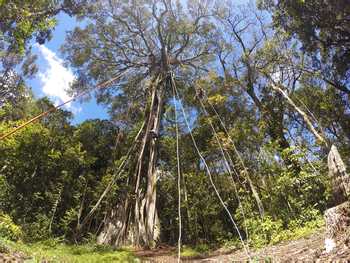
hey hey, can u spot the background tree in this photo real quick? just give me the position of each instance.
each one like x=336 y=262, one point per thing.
x=323 y=29
x=21 y=22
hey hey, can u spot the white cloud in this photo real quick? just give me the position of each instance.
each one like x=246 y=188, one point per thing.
x=76 y=110
x=55 y=77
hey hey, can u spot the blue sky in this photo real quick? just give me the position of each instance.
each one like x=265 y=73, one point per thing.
x=53 y=77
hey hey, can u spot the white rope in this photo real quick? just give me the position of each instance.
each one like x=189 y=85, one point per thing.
x=112 y=182
x=240 y=158
x=246 y=249
x=178 y=173
x=226 y=164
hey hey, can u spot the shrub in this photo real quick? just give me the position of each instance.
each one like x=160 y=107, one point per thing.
x=8 y=229
x=262 y=231
x=268 y=231
x=38 y=230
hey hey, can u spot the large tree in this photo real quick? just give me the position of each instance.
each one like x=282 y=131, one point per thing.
x=145 y=41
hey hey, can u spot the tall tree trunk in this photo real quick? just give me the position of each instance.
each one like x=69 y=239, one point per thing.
x=340 y=178
x=149 y=220
x=318 y=134
x=136 y=221
x=275 y=125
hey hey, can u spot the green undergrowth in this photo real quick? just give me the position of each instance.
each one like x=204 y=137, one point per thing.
x=195 y=251
x=51 y=251
x=262 y=234
x=269 y=232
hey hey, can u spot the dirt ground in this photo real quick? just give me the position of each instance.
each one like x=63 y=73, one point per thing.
x=310 y=249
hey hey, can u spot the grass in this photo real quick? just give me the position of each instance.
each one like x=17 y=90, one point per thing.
x=68 y=253
x=299 y=232
x=56 y=251
x=193 y=252
x=189 y=252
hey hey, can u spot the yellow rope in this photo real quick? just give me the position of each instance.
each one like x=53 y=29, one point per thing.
x=99 y=86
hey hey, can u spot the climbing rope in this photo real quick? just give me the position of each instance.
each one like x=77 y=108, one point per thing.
x=115 y=176
x=55 y=108
x=178 y=170
x=246 y=248
x=226 y=163
x=240 y=158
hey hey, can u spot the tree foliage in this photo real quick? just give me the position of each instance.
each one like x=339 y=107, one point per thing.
x=323 y=29
x=228 y=65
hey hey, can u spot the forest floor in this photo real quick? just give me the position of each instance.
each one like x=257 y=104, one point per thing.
x=307 y=249
x=48 y=251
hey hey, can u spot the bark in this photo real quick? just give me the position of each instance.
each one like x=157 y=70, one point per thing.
x=136 y=222
x=151 y=217
x=340 y=179
x=146 y=226
x=114 y=227
x=117 y=173
x=319 y=136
